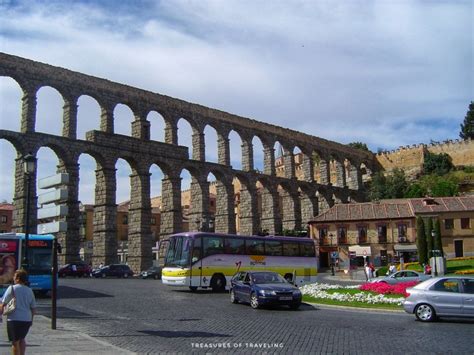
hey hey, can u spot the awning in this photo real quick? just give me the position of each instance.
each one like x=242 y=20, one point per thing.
x=405 y=247
x=360 y=251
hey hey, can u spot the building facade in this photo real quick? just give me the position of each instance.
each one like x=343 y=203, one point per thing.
x=6 y=216
x=385 y=231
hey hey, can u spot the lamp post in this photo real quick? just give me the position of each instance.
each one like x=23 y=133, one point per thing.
x=434 y=252
x=29 y=167
x=332 y=259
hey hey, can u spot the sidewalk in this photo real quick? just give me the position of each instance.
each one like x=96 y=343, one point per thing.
x=43 y=340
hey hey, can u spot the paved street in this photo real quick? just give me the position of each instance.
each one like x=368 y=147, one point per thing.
x=144 y=316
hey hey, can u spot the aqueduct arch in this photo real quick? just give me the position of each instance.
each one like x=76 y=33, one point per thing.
x=306 y=196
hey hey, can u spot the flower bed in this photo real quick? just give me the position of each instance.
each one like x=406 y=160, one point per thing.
x=386 y=289
x=319 y=291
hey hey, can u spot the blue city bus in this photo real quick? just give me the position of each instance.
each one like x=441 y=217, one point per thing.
x=40 y=258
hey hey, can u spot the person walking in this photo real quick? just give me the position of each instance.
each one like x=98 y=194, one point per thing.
x=20 y=320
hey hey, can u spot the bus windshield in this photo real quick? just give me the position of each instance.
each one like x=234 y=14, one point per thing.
x=179 y=249
x=40 y=258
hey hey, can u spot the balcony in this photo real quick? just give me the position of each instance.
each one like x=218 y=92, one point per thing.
x=403 y=240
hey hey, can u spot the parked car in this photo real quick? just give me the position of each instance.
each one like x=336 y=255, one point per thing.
x=153 y=272
x=261 y=288
x=441 y=296
x=79 y=269
x=402 y=276
x=114 y=270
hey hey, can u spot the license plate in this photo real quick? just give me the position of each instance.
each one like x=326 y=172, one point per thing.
x=286 y=298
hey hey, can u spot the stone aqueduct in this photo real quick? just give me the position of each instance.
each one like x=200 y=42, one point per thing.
x=301 y=198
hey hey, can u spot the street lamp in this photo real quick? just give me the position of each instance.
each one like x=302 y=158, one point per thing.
x=29 y=167
x=332 y=259
x=434 y=252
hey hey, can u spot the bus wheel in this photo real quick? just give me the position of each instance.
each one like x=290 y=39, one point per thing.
x=218 y=283
x=193 y=288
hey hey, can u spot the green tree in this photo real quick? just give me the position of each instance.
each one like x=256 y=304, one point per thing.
x=429 y=238
x=444 y=188
x=397 y=185
x=359 y=145
x=467 y=128
x=437 y=242
x=378 y=186
x=438 y=164
x=421 y=241
x=415 y=190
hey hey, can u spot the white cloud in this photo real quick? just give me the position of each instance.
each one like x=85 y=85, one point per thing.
x=386 y=73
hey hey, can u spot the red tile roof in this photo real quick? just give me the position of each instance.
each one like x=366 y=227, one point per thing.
x=395 y=209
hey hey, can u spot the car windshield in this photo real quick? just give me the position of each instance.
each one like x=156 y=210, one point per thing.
x=178 y=251
x=267 y=278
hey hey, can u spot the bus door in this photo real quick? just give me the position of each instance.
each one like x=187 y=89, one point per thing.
x=196 y=263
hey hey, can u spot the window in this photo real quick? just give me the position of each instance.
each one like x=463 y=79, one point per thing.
x=125 y=219
x=446 y=285
x=153 y=221
x=4 y=219
x=465 y=223
x=448 y=223
x=290 y=249
x=307 y=249
x=342 y=235
x=254 y=247
x=273 y=247
x=382 y=233
x=234 y=246
x=212 y=245
x=468 y=286
x=323 y=233
x=362 y=234
x=402 y=233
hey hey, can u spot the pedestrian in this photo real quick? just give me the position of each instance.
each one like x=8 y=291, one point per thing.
x=392 y=269
x=372 y=270
x=101 y=265
x=20 y=320
x=367 y=271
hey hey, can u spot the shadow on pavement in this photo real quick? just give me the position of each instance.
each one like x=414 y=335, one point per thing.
x=73 y=292
x=62 y=312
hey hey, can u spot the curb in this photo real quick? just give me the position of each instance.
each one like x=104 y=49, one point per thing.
x=356 y=309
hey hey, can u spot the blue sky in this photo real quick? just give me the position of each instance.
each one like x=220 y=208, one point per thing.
x=387 y=73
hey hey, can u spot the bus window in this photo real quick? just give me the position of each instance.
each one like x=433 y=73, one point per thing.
x=307 y=249
x=212 y=245
x=254 y=247
x=234 y=246
x=290 y=249
x=273 y=247
x=196 y=250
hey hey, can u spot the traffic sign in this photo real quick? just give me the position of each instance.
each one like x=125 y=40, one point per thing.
x=334 y=254
x=53 y=181
x=52 y=227
x=52 y=211
x=53 y=196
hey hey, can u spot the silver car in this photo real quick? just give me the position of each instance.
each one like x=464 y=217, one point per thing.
x=451 y=296
x=402 y=276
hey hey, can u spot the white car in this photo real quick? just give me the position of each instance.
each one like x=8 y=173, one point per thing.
x=402 y=276
x=450 y=296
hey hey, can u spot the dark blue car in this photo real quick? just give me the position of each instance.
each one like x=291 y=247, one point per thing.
x=263 y=288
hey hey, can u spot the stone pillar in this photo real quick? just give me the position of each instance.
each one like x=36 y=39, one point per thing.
x=70 y=117
x=247 y=155
x=324 y=172
x=105 y=217
x=171 y=131
x=141 y=127
x=225 y=215
x=291 y=208
x=28 y=110
x=355 y=182
x=223 y=148
x=199 y=146
x=308 y=168
x=248 y=210
x=140 y=239
x=270 y=220
x=325 y=202
x=309 y=208
x=340 y=174
x=289 y=163
x=268 y=160
x=20 y=199
x=107 y=117
x=199 y=213
x=171 y=214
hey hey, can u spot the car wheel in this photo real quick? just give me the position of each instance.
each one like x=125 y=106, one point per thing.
x=125 y=276
x=156 y=277
x=232 y=296
x=254 y=301
x=425 y=313
x=103 y=276
x=218 y=283
x=193 y=288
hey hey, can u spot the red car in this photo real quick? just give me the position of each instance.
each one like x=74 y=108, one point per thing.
x=79 y=269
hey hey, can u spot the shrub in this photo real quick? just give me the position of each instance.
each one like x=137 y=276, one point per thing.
x=386 y=289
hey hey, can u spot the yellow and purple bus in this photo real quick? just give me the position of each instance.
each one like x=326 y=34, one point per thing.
x=209 y=260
